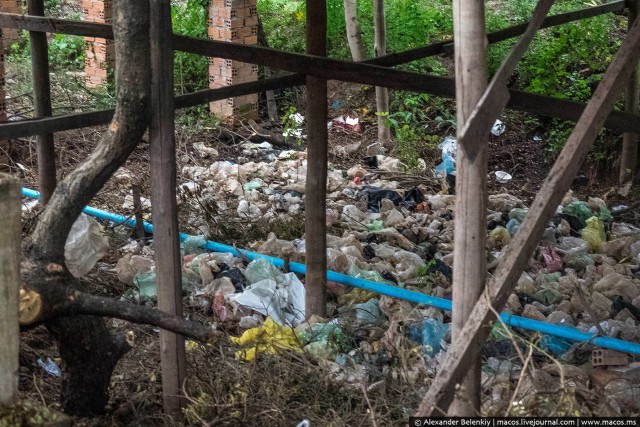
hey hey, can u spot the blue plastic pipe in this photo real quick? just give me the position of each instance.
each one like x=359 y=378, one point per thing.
x=565 y=332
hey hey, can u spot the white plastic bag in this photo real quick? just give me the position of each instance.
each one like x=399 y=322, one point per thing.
x=284 y=302
x=85 y=245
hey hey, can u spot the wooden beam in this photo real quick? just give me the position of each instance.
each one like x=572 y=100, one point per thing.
x=315 y=212
x=558 y=181
x=469 y=272
x=42 y=104
x=162 y=154
x=521 y=101
x=89 y=29
x=9 y=286
x=629 y=154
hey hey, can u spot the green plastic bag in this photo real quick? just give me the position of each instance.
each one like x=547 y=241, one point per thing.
x=580 y=210
x=518 y=213
x=376 y=225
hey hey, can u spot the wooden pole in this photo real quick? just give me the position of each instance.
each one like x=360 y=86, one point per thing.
x=165 y=212
x=42 y=104
x=9 y=285
x=467 y=349
x=629 y=154
x=317 y=157
x=469 y=262
x=380 y=47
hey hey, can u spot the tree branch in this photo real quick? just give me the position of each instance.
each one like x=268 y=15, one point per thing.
x=49 y=291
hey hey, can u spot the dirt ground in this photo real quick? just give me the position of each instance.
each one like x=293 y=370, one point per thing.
x=288 y=388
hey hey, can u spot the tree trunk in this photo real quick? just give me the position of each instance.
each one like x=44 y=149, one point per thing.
x=316 y=187
x=382 y=93
x=629 y=154
x=42 y=104
x=354 y=36
x=469 y=263
x=88 y=350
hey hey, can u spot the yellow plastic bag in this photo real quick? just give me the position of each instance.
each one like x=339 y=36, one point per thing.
x=594 y=233
x=270 y=338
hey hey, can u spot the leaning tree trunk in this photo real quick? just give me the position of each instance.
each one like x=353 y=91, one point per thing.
x=89 y=351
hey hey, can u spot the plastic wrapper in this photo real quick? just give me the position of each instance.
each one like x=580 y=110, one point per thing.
x=500 y=236
x=555 y=345
x=324 y=340
x=269 y=338
x=513 y=226
x=369 y=312
x=518 y=213
x=431 y=334
x=194 y=245
x=283 y=301
x=580 y=211
x=262 y=269
x=594 y=233
x=551 y=259
x=85 y=245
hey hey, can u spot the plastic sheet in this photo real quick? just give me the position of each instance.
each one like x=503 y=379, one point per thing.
x=270 y=338
x=85 y=245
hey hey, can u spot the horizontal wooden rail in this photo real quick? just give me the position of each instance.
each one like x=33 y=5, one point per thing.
x=369 y=72
x=23 y=128
x=92 y=29
x=521 y=101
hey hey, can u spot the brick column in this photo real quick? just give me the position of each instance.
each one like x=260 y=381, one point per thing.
x=10 y=35
x=100 y=53
x=233 y=21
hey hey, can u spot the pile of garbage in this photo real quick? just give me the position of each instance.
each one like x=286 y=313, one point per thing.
x=584 y=275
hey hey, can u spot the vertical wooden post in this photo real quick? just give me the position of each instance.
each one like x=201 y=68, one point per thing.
x=469 y=262
x=165 y=218
x=317 y=157
x=9 y=285
x=380 y=46
x=629 y=154
x=42 y=104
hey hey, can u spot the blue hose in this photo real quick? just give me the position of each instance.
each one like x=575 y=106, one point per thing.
x=385 y=289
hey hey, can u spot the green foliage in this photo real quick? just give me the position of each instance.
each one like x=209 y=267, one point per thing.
x=284 y=23
x=190 y=19
x=567 y=62
x=290 y=124
x=407 y=149
x=66 y=52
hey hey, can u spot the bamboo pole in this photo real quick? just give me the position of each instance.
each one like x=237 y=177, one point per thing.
x=317 y=155
x=165 y=213
x=42 y=104
x=469 y=262
x=9 y=285
x=629 y=154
